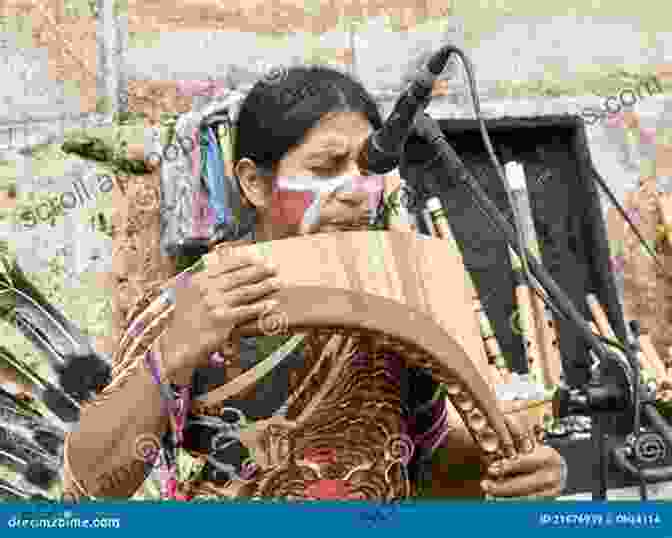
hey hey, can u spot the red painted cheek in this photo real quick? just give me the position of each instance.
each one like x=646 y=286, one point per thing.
x=288 y=207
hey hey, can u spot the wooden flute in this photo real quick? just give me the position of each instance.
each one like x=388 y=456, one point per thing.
x=440 y=227
x=537 y=321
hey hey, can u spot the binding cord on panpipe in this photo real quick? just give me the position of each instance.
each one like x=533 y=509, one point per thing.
x=544 y=357
x=498 y=367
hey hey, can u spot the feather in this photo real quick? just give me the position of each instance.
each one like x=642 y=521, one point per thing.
x=81 y=371
x=11 y=492
x=40 y=431
x=22 y=406
x=55 y=399
x=41 y=473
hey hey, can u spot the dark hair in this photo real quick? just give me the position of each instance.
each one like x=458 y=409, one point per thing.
x=275 y=115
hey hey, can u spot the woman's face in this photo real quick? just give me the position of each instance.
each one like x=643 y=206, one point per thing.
x=329 y=150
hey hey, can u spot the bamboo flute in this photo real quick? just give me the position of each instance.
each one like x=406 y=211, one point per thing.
x=499 y=370
x=536 y=319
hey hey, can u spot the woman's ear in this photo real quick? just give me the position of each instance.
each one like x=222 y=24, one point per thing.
x=256 y=187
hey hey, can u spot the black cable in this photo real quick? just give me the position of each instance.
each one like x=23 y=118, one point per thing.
x=636 y=333
x=624 y=214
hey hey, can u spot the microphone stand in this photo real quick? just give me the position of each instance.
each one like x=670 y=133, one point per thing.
x=613 y=389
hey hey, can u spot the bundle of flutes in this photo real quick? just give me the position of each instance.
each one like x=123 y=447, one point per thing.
x=536 y=321
x=499 y=369
x=652 y=366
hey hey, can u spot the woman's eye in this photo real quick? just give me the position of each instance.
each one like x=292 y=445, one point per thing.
x=322 y=171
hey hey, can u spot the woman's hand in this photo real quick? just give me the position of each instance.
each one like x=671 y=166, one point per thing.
x=537 y=472
x=208 y=306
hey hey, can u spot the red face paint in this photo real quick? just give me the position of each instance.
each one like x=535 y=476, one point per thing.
x=296 y=200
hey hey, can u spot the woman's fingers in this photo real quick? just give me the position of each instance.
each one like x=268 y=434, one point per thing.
x=245 y=295
x=241 y=277
x=523 y=464
x=542 y=483
x=223 y=263
x=242 y=314
x=521 y=432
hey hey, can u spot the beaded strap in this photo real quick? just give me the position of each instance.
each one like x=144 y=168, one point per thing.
x=177 y=400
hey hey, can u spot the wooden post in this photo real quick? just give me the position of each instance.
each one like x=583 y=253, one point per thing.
x=121 y=27
x=107 y=75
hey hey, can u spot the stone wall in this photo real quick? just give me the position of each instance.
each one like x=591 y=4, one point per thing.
x=196 y=42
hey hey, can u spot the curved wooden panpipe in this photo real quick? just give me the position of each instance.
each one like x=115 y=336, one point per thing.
x=398 y=299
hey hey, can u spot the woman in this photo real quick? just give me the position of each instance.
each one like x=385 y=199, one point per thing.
x=306 y=127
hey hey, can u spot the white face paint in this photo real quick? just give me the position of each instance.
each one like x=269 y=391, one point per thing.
x=298 y=199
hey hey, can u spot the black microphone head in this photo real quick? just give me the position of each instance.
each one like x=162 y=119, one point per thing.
x=635 y=327
x=40 y=475
x=372 y=160
x=437 y=63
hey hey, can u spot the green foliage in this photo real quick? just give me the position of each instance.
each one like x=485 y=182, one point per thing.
x=79 y=8
x=312 y=8
x=143 y=39
x=103 y=105
x=120 y=7
x=128 y=118
x=586 y=82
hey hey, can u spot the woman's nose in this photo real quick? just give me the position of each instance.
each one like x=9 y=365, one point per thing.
x=353 y=197
x=354 y=169
x=351 y=193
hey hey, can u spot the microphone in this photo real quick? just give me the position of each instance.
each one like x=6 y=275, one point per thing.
x=381 y=151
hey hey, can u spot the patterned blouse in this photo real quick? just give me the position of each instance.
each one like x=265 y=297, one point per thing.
x=208 y=457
